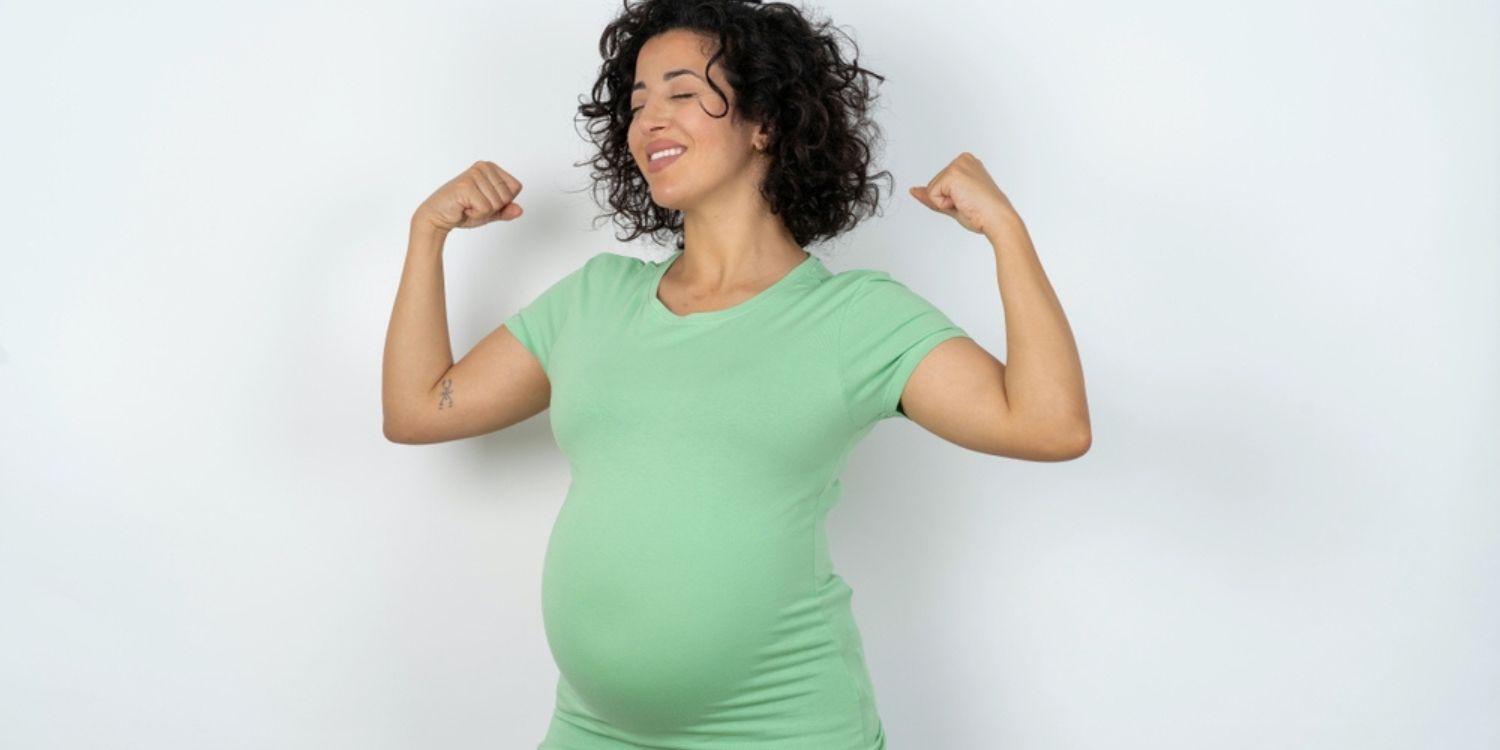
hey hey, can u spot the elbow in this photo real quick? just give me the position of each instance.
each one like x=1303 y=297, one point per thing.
x=1080 y=442
x=1071 y=444
x=393 y=432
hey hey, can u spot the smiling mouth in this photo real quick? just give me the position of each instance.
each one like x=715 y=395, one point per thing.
x=656 y=165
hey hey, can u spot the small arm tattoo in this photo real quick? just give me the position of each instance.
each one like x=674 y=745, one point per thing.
x=447 y=394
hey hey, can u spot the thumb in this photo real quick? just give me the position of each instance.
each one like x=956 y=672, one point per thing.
x=939 y=201
x=920 y=193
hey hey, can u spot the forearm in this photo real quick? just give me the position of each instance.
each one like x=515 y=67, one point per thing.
x=417 y=349
x=1043 y=375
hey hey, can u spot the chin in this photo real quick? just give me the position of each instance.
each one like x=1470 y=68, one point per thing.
x=668 y=205
x=674 y=202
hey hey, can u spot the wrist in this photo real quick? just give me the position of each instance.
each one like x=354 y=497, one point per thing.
x=1005 y=227
x=427 y=230
x=426 y=239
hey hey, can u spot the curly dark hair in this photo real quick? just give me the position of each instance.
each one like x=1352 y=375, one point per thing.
x=788 y=74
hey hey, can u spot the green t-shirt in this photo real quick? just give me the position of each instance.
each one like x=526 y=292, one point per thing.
x=687 y=593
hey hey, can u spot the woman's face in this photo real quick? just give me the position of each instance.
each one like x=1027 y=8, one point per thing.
x=672 y=102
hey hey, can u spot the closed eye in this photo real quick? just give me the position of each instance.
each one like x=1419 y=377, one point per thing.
x=633 y=110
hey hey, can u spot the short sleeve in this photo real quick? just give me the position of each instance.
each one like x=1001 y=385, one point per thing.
x=885 y=330
x=540 y=322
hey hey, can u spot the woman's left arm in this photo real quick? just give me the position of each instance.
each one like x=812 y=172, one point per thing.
x=1035 y=406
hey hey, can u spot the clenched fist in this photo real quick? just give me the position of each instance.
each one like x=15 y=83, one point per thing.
x=478 y=196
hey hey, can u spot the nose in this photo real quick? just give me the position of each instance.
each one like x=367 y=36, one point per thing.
x=649 y=119
x=653 y=110
x=649 y=126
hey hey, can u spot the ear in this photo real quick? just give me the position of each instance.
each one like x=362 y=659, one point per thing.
x=762 y=138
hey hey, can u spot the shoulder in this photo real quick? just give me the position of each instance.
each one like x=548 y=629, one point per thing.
x=603 y=270
x=861 y=288
x=613 y=265
x=875 y=304
x=608 y=279
x=607 y=262
x=844 y=286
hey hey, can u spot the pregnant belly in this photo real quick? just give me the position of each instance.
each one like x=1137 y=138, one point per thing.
x=658 y=610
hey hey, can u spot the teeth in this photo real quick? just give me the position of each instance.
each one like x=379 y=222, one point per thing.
x=668 y=152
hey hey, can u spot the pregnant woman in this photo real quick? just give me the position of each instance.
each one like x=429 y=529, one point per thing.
x=707 y=402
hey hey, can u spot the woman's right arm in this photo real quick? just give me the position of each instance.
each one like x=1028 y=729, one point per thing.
x=425 y=397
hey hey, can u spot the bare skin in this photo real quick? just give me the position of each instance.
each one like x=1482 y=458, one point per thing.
x=734 y=247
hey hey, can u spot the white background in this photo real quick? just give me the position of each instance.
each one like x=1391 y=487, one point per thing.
x=1273 y=226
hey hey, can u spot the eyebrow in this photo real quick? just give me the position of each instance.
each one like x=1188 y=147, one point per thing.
x=667 y=77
